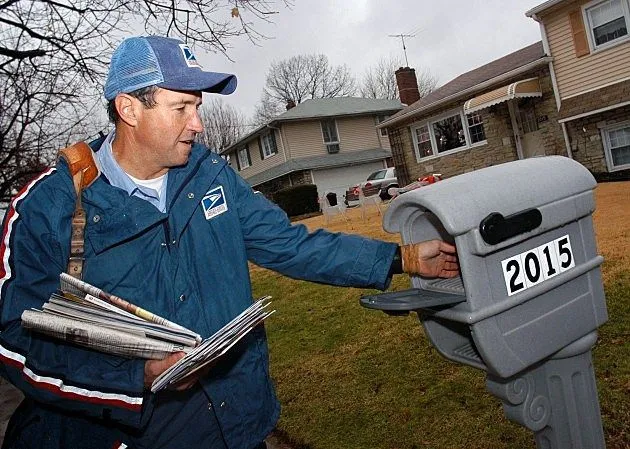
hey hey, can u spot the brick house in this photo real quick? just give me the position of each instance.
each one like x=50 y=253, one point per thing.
x=330 y=142
x=590 y=45
x=499 y=112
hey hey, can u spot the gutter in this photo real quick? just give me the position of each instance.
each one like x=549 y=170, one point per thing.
x=536 y=9
x=468 y=91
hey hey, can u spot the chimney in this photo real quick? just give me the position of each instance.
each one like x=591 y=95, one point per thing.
x=407 y=85
x=290 y=104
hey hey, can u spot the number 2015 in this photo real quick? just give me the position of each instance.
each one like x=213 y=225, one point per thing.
x=537 y=265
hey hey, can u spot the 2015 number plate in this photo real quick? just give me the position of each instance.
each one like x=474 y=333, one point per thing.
x=537 y=265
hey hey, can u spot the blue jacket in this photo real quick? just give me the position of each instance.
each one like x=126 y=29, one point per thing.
x=190 y=265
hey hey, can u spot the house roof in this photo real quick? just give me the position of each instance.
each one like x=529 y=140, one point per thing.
x=341 y=159
x=332 y=107
x=596 y=101
x=475 y=80
x=326 y=107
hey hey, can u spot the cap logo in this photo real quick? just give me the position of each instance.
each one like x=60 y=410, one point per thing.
x=189 y=57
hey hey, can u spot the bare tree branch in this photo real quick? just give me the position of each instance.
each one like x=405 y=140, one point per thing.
x=303 y=77
x=223 y=125
x=54 y=55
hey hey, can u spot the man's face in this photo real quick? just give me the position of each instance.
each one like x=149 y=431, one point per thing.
x=166 y=131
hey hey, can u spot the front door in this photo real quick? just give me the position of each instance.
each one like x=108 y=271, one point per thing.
x=531 y=138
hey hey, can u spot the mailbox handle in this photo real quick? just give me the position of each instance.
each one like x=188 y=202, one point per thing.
x=496 y=228
x=405 y=301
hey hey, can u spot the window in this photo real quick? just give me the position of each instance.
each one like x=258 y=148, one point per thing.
x=329 y=133
x=475 y=128
x=267 y=143
x=243 y=160
x=617 y=146
x=424 y=141
x=448 y=133
x=607 y=21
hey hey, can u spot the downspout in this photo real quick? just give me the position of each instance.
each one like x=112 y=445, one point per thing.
x=567 y=142
x=554 y=82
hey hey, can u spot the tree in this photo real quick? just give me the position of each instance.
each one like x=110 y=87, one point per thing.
x=303 y=77
x=267 y=109
x=55 y=53
x=379 y=80
x=223 y=125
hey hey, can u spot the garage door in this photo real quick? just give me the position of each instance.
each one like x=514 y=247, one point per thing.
x=338 y=179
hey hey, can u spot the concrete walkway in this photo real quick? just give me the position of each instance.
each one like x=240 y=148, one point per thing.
x=10 y=397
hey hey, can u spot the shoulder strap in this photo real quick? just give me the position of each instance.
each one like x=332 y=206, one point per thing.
x=84 y=171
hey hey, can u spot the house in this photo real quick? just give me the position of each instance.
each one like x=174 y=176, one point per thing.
x=330 y=142
x=499 y=112
x=590 y=45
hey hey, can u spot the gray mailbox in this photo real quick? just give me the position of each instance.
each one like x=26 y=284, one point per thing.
x=529 y=299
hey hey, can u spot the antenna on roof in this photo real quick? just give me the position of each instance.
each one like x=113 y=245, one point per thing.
x=402 y=37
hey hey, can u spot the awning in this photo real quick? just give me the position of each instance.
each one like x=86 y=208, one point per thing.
x=520 y=89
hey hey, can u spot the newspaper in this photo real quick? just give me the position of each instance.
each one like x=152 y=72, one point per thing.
x=94 y=320
x=215 y=346
x=100 y=338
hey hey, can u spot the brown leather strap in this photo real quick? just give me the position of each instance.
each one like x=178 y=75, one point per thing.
x=84 y=172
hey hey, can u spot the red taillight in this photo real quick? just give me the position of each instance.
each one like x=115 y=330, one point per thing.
x=368 y=184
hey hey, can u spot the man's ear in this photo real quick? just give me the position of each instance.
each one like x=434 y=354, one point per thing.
x=127 y=108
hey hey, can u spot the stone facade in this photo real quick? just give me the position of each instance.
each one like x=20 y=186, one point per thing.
x=585 y=137
x=500 y=143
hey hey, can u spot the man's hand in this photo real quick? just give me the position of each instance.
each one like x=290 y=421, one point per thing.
x=433 y=258
x=153 y=368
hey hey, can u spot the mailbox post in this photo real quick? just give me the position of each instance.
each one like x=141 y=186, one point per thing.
x=529 y=298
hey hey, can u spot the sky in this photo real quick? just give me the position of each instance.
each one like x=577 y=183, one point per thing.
x=451 y=37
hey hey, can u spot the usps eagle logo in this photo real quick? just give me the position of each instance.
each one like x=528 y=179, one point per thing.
x=214 y=203
x=189 y=56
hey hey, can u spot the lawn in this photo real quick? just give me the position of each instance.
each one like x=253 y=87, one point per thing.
x=352 y=378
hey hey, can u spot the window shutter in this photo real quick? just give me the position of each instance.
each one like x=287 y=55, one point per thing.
x=249 y=158
x=580 y=41
x=238 y=162
x=260 y=147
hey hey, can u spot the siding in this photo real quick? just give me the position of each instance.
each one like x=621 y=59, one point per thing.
x=578 y=75
x=304 y=138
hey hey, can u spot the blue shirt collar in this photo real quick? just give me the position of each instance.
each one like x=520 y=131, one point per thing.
x=118 y=178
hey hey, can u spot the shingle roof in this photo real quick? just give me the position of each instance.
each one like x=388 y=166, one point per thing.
x=326 y=107
x=332 y=107
x=317 y=162
x=477 y=76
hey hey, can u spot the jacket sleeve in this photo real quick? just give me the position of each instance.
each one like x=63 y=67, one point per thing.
x=49 y=371
x=321 y=256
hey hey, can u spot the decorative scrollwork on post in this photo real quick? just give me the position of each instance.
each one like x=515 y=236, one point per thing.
x=521 y=402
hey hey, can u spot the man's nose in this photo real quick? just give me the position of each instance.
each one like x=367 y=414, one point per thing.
x=195 y=123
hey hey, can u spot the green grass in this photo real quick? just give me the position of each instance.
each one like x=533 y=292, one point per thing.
x=348 y=377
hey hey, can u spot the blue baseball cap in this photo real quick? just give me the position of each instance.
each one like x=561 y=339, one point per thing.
x=164 y=62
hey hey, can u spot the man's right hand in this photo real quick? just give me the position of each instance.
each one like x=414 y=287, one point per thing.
x=153 y=368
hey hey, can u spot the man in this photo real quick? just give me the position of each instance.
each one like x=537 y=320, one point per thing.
x=171 y=227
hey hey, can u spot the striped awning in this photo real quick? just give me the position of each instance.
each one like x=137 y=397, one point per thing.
x=520 y=89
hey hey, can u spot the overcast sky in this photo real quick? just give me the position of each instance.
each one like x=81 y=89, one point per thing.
x=451 y=37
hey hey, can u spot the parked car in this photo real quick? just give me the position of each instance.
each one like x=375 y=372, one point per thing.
x=376 y=184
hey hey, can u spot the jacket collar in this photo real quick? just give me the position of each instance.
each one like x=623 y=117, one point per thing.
x=113 y=216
